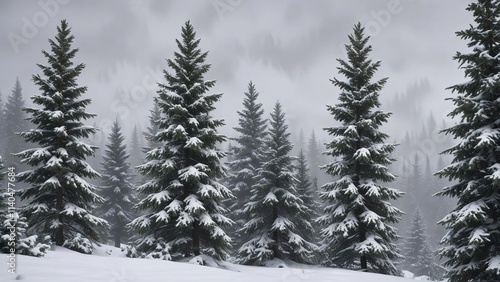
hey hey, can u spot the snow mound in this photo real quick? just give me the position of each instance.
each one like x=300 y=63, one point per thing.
x=275 y=263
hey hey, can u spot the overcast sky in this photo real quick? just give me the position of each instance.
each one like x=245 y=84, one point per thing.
x=288 y=48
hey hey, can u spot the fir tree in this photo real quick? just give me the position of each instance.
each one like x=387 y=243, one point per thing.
x=356 y=230
x=419 y=258
x=4 y=209
x=246 y=155
x=59 y=199
x=11 y=222
x=117 y=190
x=472 y=244
x=182 y=205
x=14 y=122
x=313 y=153
x=153 y=128
x=304 y=185
x=276 y=213
x=307 y=192
x=136 y=153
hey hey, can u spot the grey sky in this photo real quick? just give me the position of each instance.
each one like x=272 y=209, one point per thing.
x=288 y=48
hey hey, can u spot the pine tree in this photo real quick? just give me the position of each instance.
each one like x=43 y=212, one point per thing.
x=247 y=156
x=307 y=192
x=60 y=200
x=183 y=211
x=14 y=122
x=11 y=222
x=136 y=153
x=117 y=189
x=313 y=153
x=415 y=190
x=472 y=243
x=4 y=209
x=356 y=230
x=304 y=185
x=275 y=211
x=419 y=258
x=153 y=128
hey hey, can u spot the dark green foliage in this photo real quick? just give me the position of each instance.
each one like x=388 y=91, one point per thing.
x=277 y=224
x=59 y=199
x=357 y=231
x=116 y=189
x=471 y=247
x=419 y=258
x=14 y=121
x=153 y=128
x=246 y=157
x=182 y=205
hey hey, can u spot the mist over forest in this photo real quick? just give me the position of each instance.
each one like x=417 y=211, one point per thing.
x=279 y=63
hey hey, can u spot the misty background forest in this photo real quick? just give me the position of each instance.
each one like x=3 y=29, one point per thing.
x=238 y=129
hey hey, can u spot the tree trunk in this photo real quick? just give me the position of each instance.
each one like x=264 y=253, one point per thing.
x=60 y=229
x=362 y=237
x=196 y=238
x=276 y=235
x=117 y=239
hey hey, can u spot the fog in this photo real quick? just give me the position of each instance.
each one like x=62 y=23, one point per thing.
x=288 y=48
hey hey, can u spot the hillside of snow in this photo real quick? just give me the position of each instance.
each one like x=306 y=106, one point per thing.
x=108 y=264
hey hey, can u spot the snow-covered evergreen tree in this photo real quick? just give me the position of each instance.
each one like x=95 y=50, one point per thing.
x=12 y=223
x=305 y=188
x=4 y=208
x=246 y=157
x=419 y=258
x=14 y=121
x=136 y=157
x=313 y=154
x=117 y=189
x=153 y=128
x=136 y=154
x=471 y=246
x=182 y=205
x=307 y=192
x=276 y=214
x=59 y=199
x=357 y=232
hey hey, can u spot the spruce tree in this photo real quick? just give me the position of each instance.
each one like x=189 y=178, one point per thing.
x=135 y=147
x=246 y=156
x=136 y=154
x=471 y=247
x=59 y=199
x=11 y=222
x=153 y=128
x=276 y=214
x=356 y=231
x=313 y=154
x=182 y=205
x=305 y=189
x=307 y=192
x=117 y=189
x=419 y=258
x=4 y=209
x=14 y=122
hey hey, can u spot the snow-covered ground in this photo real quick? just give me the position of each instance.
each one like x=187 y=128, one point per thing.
x=109 y=264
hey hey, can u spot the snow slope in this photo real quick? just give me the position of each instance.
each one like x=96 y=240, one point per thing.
x=109 y=264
